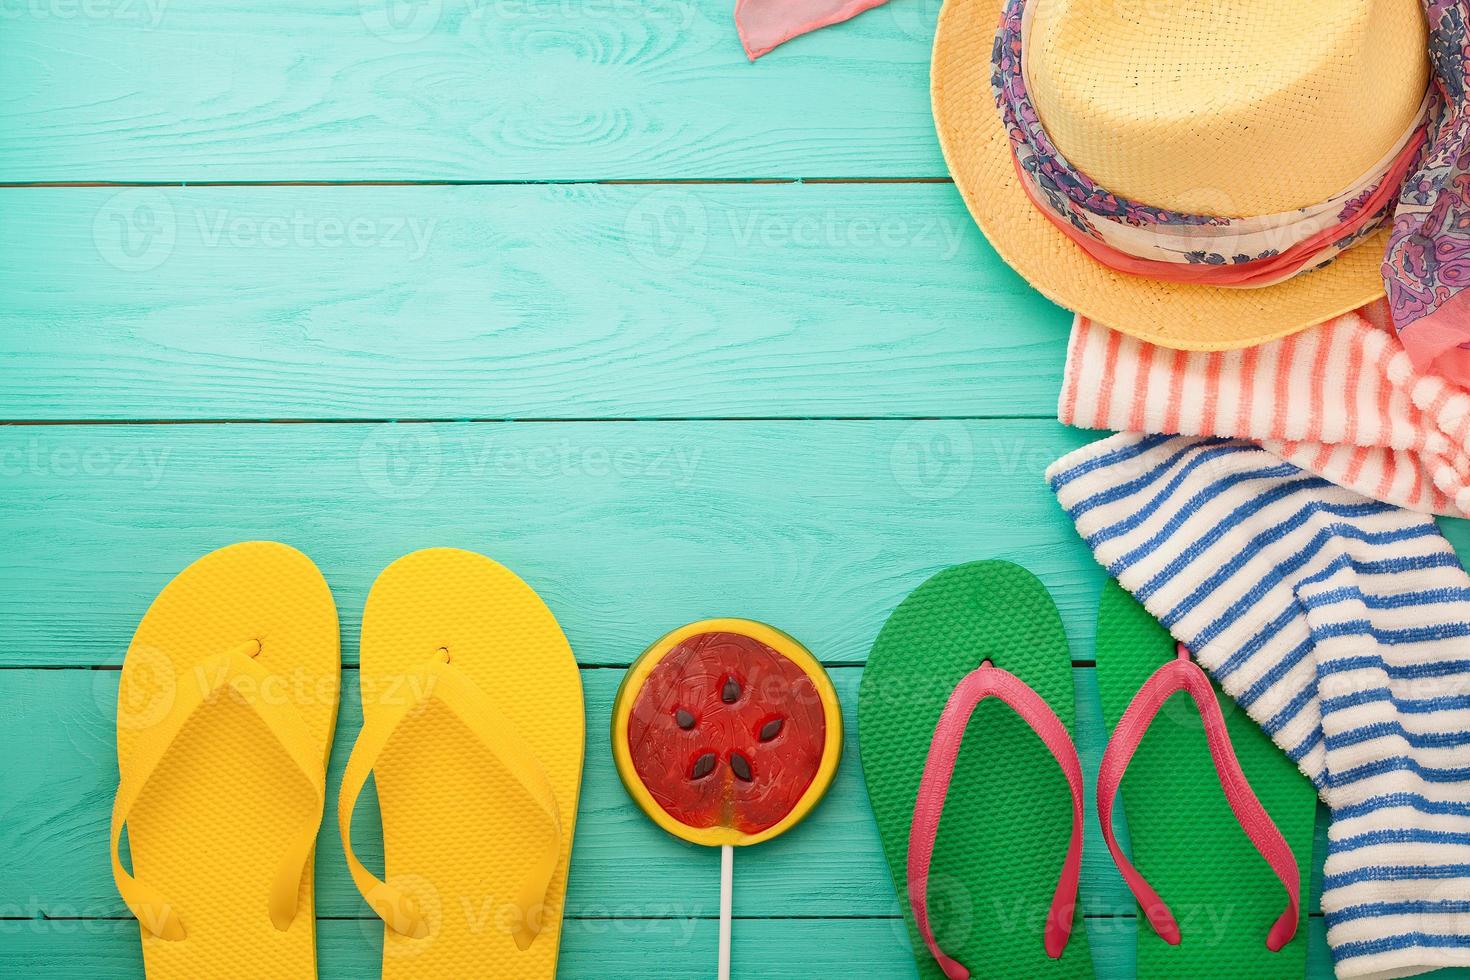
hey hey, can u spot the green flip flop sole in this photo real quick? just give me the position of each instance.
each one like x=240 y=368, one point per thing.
x=1007 y=818
x=1184 y=838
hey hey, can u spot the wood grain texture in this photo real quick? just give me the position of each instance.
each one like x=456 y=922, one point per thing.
x=248 y=90
x=514 y=302
x=627 y=529
x=541 y=293
x=771 y=949
x=61 y=774
x=779 y=949
x=624 y=949
x=831 y=865
x=99 y=517
x=817 y=902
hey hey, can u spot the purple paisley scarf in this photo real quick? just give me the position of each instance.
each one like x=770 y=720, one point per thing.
x=1422 y=185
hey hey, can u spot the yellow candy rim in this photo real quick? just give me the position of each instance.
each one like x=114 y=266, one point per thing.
x=783 y=644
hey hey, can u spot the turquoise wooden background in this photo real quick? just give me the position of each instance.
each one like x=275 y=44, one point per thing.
x=564 y=281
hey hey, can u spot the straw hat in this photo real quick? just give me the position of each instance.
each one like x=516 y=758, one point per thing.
x=1220 y=107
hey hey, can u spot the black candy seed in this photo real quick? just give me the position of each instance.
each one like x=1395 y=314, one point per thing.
x=731 y=691
x=740 y=767
x=771 y=729
x=684 y=719
x=704 y=765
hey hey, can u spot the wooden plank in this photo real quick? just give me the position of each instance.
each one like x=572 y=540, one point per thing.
x=773 y=949
x=61 y=774
x=865 y=517
x=781 y=949
x=194 y=90
x=627 y=529
x=778 y=949
x=60 y=918
x=514 y=302
x=830 y=866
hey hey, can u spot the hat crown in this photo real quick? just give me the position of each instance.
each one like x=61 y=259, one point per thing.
x=1227 y=107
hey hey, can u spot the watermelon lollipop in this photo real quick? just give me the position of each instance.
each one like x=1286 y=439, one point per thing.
x=726 y=732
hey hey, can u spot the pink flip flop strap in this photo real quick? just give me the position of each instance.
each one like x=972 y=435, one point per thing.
x=984 y=682
x=1182 y=674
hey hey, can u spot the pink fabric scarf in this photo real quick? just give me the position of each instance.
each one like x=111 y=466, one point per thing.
x=766 y=24
x=1422 y=185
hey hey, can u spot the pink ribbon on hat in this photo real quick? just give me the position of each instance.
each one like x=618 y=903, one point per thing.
x=1421 y=186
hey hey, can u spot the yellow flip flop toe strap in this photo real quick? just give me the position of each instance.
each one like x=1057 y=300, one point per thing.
x=441 y=682
x=247 y=681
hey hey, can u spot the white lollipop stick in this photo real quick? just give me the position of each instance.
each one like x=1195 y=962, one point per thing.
x=727 y=894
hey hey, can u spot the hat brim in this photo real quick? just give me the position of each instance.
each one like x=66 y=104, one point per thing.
x=1185 y=317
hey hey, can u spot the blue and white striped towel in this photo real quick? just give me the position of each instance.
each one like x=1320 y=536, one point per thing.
x=1342 y=625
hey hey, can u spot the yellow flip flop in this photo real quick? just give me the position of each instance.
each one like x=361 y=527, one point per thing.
x=473 y=731
x=226 y=704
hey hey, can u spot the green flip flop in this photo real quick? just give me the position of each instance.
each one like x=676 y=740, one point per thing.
x=1187 y=839
x=991 y=846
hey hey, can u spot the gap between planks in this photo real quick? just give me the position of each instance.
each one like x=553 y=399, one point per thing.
x=572 y=182
x=440 y=420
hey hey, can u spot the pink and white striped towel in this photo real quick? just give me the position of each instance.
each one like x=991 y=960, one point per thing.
x=1341 y=400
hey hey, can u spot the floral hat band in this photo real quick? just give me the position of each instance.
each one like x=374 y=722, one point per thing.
x=1422 y=185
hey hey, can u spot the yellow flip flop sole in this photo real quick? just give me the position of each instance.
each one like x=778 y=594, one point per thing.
x=473 y=730
x=227 y=701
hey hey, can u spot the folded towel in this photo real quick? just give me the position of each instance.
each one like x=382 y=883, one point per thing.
x=1341 y=400
x=1342 y=626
